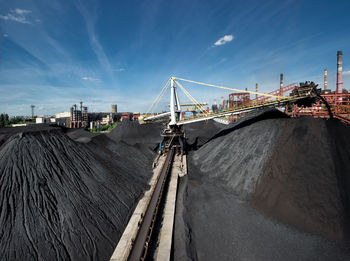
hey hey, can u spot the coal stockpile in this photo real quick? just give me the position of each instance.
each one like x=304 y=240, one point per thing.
x=271 y=188
x=132 y=132
x=306 y=181
x=199 y=133
x=80 y=135
x=66 y=200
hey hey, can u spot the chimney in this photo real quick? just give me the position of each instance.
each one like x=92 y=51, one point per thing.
x=339 y=88
x=281 y=84
x=256 y=90
x=81 y=106
x=325 y=79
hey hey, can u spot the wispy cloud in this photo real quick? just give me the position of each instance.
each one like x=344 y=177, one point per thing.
x=90 y=20
x=5 y=35
x=346 y=72
x=91 y=79
x=22 y=11
x=224 y=39
x=119 y=70
x=17 y=15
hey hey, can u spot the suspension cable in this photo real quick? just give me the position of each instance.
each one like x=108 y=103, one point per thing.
x=160 y=94
x=232 y=89
x=196 y=103
x=160 y=98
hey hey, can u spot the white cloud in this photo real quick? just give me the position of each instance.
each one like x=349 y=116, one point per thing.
x=119 y=70
x=22 y=11
x=19 y=19
x=91 y=79
x=6 y=35
x=4 y=17
x=346 y=72
x=17 y=15
x=223 y=40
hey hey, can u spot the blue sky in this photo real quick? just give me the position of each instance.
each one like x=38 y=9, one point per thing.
x=55 y=53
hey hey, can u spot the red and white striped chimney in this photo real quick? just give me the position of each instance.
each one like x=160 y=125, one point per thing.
x=281 y=84
x=339 y=88
x=325 y=79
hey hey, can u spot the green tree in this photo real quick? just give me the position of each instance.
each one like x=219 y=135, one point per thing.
x=6 y=119
x=16 y=120
x=2 y=120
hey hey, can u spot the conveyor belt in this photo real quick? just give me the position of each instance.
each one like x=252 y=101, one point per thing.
x=140 y=245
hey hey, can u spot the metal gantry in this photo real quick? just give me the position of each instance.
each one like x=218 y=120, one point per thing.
x=177 y=119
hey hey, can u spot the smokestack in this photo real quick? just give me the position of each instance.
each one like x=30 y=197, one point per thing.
x=325 y=79
x=81 y=106
x=256 y=90
x=32 y=106
x=281 y=84
x=339 y=88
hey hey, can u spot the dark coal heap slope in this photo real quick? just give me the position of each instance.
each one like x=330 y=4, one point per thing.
x=267 y=188
x=199 y=133
x=306 y=180
x=80 y=135
x=65 y=200
x=132 y=132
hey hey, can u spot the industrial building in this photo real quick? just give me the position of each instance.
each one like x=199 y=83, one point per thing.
x=63 y=119
x=338 y=100
x=114 y=108
x=79 y=118
x=44 y=119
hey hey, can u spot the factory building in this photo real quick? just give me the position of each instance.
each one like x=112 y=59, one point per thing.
x=136 y=116
x=114 y=108
x=338 y=100
x=126 y=115
x=43 y=119
x=238 y=99
x=79 y=118
x=107 y=120
x=63 y=119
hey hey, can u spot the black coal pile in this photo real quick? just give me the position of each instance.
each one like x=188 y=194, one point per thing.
x=132 y=132
x=199 y=133
x=80 y=135
x=66 y=200
x=267 y=188
x=306 y=180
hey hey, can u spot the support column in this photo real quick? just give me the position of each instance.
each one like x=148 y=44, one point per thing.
x=172 y=103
